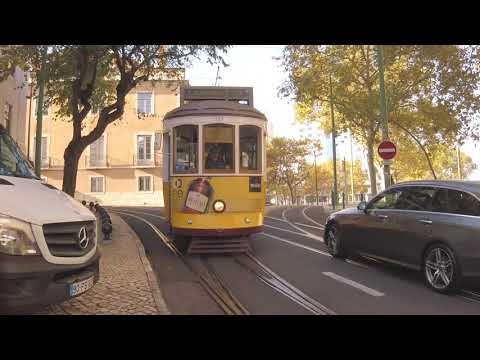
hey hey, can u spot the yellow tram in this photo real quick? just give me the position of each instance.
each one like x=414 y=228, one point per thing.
x=214 y=168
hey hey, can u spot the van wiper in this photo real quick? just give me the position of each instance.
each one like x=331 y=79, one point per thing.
x=20 y=175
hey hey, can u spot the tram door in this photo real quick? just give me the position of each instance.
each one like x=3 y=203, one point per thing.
x=166 y=174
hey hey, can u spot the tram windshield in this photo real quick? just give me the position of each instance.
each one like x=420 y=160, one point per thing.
x=218 y=148
x=186 y=149
x=249 y=148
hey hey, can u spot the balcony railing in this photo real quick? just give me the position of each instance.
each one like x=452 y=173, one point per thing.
x=52 y=163
x=94 y=162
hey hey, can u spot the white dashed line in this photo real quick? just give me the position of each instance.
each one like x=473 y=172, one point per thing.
x=355 y=284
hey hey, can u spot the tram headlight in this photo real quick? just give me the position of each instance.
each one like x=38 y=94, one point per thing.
x=219 y=206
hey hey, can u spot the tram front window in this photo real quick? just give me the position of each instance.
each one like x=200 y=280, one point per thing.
x=218 y=148
x=249 y=148
x=186 y=149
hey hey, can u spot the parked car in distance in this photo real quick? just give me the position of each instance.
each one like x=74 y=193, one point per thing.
x=431 y=226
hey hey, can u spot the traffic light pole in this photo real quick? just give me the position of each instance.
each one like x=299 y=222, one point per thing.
x=316 y=181
x=38 y=137
x=334 y=149
x=383 y=112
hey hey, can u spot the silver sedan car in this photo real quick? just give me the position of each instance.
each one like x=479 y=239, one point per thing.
x=431 y=226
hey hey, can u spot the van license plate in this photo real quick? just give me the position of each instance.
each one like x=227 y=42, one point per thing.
x=80 y=287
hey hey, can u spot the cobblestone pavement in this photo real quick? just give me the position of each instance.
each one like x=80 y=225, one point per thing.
x=127 y=285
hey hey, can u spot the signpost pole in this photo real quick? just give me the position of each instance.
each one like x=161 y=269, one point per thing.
x=38 y=135
x=334 y=149
x=383 y=111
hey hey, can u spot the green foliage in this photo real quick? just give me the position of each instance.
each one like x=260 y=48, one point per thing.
x=82 y=77
x=287 y=164
x=430 y=90
x=325 y=178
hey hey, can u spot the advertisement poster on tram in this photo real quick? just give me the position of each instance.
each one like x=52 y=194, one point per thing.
x=199 y=194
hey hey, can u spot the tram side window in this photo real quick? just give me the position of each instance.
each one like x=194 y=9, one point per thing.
x=186 y=149
x=250 y=154
x=219 y=149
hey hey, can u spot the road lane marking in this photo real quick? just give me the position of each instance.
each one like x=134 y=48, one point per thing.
x=309 y=218
x=308 y=248
x=310 y=226
x=296 y=244
x=274 y=218
x=313 y=236
x=355 y=284
x=293 y=232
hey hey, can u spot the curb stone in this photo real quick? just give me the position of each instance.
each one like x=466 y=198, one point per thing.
x=162 y=308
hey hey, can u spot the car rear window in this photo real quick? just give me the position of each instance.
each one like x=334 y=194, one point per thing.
x=456 y=202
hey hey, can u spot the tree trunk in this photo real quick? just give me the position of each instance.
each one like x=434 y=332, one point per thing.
x=71 y=158
x=371 y=168
x=292 y=195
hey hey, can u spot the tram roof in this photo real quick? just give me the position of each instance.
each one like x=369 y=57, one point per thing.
x=214 y=107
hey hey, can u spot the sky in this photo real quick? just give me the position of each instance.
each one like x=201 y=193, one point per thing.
x=255 y=66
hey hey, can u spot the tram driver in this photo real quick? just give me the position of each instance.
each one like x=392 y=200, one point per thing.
x=217 y=157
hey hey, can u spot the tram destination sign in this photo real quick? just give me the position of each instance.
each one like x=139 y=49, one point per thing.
x=198 y=93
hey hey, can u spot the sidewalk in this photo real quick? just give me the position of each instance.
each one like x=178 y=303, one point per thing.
x=127 y=284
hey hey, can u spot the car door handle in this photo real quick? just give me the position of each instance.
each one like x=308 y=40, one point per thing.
x=383 y=216
x=425 y=221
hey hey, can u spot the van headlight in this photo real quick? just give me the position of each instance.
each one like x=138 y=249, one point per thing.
x=16 y=237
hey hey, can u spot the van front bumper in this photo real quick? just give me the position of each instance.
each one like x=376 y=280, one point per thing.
x=29 y=282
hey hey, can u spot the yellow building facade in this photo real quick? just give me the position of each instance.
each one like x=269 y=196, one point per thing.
x=13 y=107
x=124 y=166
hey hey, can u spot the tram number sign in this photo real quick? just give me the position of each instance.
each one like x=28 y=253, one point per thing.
x=387 y=150
x=196 y=201
x=255 y=184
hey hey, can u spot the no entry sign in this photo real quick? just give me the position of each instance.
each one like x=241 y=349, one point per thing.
x=387 y=150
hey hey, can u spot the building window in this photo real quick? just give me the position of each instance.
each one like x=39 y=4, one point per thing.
x=144 y=183
x=8 y=116
x=144 y=148
x=250 y=154
x=158 y=141
x=144 y=103
x=97 y=152
x=186 y=149
x=97 y=184
x=219 y=149
x=44 y=155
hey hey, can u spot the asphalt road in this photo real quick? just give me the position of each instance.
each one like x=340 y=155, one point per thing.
x=292 y=247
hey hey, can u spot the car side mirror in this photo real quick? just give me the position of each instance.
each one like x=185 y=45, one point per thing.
x=362 y=206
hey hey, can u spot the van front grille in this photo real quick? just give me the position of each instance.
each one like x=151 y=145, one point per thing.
x=63 y=239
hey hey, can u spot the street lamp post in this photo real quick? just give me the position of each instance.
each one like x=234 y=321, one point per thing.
x=334 y=150
x=38 y=138
x=383 y=111
x=316 y=181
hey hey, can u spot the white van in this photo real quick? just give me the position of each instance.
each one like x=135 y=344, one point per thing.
x=48 y=241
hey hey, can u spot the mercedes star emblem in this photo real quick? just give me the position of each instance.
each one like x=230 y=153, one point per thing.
x=83 y=238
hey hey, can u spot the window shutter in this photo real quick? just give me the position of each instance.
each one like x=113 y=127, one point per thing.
x=158 y=141
x=148 y=147
x=44 y=148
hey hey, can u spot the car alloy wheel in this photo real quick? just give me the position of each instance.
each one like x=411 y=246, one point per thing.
x=440 y=268
x=334 y=242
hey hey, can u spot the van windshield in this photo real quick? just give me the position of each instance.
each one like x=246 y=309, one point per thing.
x=12 y=160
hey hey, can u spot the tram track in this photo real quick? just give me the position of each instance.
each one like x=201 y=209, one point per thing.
x=279 y=284
x=203 y=267
x=216 y=287
x=208 y=277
